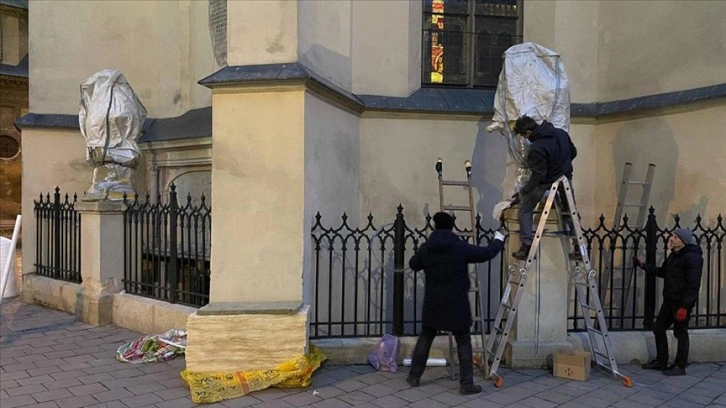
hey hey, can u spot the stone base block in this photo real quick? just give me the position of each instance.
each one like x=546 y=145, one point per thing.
x=530 y=354
x=244 y=337
x=94 y=309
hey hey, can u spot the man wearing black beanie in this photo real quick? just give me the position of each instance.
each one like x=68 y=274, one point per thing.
x=681 y=273
x=444 y=258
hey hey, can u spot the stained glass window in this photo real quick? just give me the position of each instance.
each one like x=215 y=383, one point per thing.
x=463 y=40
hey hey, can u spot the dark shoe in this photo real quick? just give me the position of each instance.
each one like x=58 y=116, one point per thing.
x=522 y=253
x=655 y=365
x=675 y=370
x=469 y=389
x=413 y=381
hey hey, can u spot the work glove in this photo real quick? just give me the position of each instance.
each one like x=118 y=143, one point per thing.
x=681 y=314
x=638 y=262
x=498 y=235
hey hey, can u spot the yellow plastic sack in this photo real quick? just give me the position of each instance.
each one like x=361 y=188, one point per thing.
x=208 y=388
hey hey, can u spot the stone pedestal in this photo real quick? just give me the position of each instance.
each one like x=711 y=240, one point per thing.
x=256 y=318
x=229 y=336
x=541 y=323
x=101 y=259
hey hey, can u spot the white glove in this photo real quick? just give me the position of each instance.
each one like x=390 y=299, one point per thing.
x=498 y=235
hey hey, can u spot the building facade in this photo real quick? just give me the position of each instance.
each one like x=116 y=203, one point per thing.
x=284 y=109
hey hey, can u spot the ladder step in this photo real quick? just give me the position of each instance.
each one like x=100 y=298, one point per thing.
x=640 y=183
x=633 y=205
x=454 y=183
x=586 y=306
x=457 y=208
x=594 y=330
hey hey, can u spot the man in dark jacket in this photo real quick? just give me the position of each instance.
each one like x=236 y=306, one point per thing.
x=444 y=258
x=681 y=273
x=550 y=156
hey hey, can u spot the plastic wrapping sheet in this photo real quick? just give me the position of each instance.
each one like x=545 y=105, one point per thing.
x=533 y=82
x=110 y=119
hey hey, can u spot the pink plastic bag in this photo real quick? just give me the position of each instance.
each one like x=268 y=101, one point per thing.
x=384 y=356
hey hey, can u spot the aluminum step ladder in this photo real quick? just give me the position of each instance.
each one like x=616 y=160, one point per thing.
x=583 y=278
x=470 y=236
x=617 y=277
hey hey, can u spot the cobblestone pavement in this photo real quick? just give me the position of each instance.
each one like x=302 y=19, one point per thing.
x=50 y=359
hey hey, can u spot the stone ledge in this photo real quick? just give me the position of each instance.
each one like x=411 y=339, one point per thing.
x=249 y=308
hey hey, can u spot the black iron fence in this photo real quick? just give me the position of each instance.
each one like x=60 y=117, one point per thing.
x=362 y=286
x=166 y=249
x=57 y=237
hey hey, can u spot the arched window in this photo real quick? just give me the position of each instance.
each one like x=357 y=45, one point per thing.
x=463 y=40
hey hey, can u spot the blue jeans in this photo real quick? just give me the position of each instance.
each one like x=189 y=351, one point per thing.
x=526 y=211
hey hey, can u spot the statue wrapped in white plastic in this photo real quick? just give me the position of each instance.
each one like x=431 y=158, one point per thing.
x=533 y=82
x=110 y=118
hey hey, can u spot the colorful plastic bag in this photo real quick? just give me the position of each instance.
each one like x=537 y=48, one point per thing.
x=207 y=388
x=384 y=356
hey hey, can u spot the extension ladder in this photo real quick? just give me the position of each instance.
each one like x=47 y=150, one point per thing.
x=584 y=279
x=471 y=233
x=609 y=292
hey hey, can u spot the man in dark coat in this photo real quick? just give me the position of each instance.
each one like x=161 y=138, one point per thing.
x=681 y=273
x=550 y=156
x=444 y=258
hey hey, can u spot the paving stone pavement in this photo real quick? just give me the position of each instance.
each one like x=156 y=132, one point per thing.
x=50 y=359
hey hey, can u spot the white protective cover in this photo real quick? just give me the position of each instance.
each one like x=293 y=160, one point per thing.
x=107 y=94
x=533 y=82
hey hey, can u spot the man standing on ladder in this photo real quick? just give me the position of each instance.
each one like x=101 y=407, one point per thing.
x=550 y=156
x=444 y=258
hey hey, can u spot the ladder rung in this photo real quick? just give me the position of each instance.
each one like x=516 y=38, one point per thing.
x=457 y=208
x=592 y=329
x=632 y=205
x=454 y=183
x=601 y=354
x=640 y=183
x=472 y=290
x=586 y=306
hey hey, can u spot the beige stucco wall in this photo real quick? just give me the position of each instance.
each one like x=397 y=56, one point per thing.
x=324 y=39
x=331 y=170
x=386 y=44
x=262 y=32
x=162 y=48
x=398 y=152
x=258 y=183
x=50 y=158
x=654 y=47
x=688 y=152
x=55 y=157
x=624 y=49
x=14 y=36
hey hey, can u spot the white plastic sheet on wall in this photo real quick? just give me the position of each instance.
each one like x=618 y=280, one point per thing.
x=11 y=286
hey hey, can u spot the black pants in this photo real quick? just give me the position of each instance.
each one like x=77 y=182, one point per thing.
x=463 y=345
x=666 y=318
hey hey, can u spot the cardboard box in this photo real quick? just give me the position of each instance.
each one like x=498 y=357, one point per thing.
x=571 y=364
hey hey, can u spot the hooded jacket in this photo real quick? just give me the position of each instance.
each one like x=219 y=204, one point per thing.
x=681 y=273
x=550 y=156
x=444 y=258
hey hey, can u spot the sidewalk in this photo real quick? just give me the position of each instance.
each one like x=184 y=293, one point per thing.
x=50 y=359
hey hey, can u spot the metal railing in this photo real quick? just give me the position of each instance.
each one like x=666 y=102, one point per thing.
x=167 y=248
x=57 y=237
x=357 y=292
